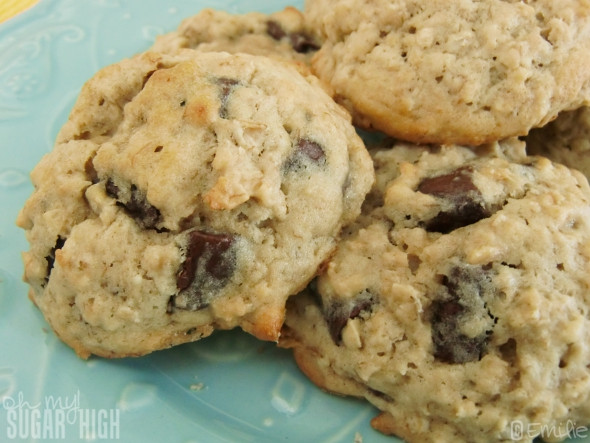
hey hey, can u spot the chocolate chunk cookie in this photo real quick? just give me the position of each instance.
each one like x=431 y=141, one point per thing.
x=282 y=34
x=458 y=303
x=465 y=72
x=185 y=193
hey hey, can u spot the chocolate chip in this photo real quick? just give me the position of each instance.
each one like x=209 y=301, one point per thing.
x=300 y=41
x=111 y=189
x=306 y=152
x=458 y=190
x=50 y=258
x=275 y=30
x=209 y=263
x=136 y=205
x=226 y=86
x=338 y=313
x=449 y=185
x=303 y=43
x=450 y=346
x=139 y=208
x=462 y=302
x=310 y=148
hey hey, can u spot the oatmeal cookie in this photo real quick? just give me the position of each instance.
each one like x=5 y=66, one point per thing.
x=185 y=193
x=458 y=303
x=461 y=71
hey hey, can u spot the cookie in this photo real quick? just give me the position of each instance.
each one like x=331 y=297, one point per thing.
x=564 y=140
x=188 y=193
x=458 y=304
x=282 y=34
x=465 y=72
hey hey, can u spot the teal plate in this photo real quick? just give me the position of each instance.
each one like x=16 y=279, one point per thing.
x=226 y=388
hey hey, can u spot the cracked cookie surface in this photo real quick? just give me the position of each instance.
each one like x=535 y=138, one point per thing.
x=186 y=193
x=455 y=333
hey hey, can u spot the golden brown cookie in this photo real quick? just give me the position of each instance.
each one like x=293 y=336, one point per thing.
x=186 y=193
x=460 y=71
x=458 y=303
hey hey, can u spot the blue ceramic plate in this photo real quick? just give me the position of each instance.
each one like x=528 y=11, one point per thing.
x=226 y=388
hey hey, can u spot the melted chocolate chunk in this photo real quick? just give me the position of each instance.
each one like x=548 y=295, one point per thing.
x=311 y=149
x=208 y=266
x=306 y=152
x=111 y=189
x=303 y=43
x=50 y=258
x=226 y=86
x=337 y=314
x=449 y=185
x=300 y=41
x=137 y=206
x=275 y=30
x=466 y=289
x=458 y=189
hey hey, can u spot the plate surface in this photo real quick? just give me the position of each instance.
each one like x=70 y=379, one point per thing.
x=226 y=388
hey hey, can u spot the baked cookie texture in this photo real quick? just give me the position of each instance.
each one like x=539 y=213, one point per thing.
x=565 y=140
x=464 y=71
x=186 y=193
x=458 y=303
x=282 y=34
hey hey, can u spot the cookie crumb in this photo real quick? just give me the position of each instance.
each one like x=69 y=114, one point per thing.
x=197 y=386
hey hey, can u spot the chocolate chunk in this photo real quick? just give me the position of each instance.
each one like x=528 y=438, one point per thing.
x=449 y=185
x=459 y=191
x=303 y=43
x=226 y=85
x=50 y=258
x=307 y=152
x=450 y=346
x=275 y=30
x=300 y=41
x=463 y=301
x=311 y=149
x=137 y=206
x=467 y=212
x=338 y=313
x=208 y=266
x=111 y=189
